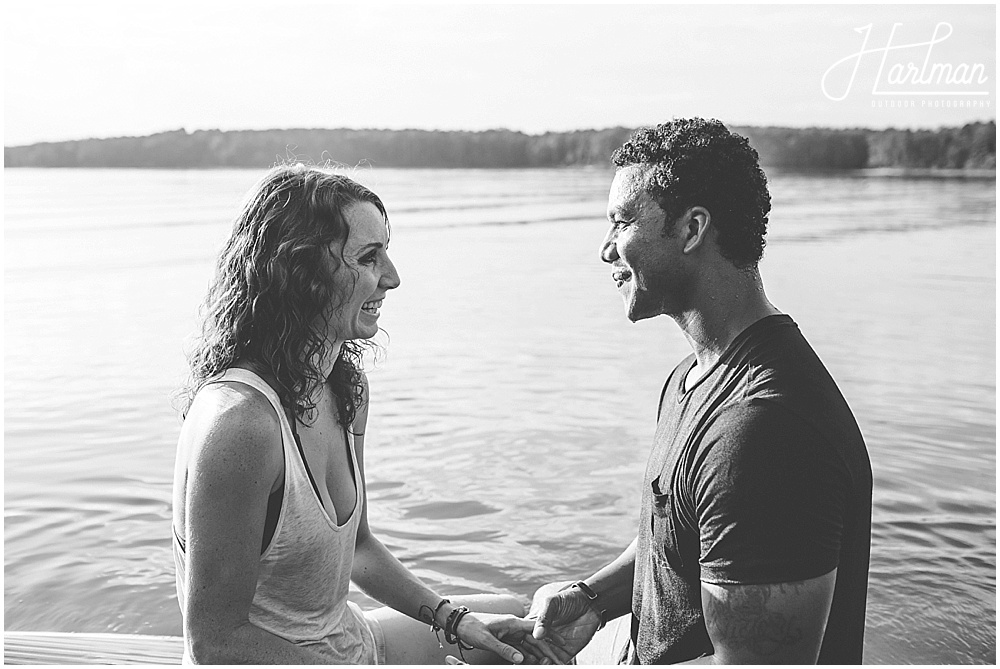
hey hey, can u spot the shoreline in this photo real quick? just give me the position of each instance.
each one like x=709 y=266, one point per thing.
x=972 y=173
x=972 y=145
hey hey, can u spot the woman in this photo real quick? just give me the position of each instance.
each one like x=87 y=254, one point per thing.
x=270 y=512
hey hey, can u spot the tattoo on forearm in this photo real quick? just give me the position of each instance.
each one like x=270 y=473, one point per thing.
x=742 y=619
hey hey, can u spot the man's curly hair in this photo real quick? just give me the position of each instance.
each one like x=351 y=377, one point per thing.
x=273 y=294
x=699 y=162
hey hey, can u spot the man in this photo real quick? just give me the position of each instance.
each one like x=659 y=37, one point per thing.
x=755 y=524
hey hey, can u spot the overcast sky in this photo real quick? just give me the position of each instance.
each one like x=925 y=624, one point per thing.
x=97 y=69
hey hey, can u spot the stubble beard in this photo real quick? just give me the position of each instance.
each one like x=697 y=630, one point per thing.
x=664 y=297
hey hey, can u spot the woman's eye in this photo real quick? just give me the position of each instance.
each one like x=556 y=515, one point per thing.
x=368 y=258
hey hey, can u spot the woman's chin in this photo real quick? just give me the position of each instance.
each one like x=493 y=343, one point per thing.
x=364 y=326
x=366 y=329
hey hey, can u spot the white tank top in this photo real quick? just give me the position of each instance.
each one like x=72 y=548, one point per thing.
x=305 y=572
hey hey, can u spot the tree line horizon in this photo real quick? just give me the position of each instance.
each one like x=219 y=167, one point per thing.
x=971 y=146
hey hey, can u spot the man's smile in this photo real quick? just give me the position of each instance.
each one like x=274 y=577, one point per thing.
x=621 y=276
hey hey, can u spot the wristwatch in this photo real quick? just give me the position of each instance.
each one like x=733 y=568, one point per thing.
x=589 y=593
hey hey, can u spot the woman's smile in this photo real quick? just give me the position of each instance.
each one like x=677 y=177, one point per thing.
x=365 y=267
x=371 y=307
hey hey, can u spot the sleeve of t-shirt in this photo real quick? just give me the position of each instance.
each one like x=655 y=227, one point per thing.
x=769 y=496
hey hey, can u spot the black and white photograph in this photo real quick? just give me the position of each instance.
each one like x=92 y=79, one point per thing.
x=371 y=333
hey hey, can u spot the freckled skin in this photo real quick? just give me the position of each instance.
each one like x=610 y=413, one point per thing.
x=366 y=268
x=230 y=459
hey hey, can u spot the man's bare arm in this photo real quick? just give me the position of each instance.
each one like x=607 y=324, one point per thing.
x=779 y=623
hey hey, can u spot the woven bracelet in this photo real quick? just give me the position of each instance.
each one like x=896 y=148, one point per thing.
x=451 y=631
x=438 y=607
x=432 y=617
x=461 y=644
x=449 y=626
x=432 y=613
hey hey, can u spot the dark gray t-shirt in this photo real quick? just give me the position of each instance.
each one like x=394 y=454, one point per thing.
x=758 y=474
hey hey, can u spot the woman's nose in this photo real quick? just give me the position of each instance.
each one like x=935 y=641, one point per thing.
x=390 y=278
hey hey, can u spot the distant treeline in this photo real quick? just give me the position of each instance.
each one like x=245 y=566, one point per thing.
x=972 y=146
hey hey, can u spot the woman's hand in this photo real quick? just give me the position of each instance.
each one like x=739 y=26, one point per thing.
x=500 y=634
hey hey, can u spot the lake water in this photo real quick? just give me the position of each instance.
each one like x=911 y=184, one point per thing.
x=514 y=405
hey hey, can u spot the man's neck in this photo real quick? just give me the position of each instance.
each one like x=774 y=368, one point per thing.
x=719 y=314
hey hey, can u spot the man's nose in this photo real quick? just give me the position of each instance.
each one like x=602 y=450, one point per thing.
x=609 y=249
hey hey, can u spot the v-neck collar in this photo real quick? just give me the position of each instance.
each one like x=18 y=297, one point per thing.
x=734 y=346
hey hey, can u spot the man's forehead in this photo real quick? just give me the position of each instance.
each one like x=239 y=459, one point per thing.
x=628 y=190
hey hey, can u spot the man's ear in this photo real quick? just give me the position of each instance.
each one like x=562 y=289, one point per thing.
x=694 y=227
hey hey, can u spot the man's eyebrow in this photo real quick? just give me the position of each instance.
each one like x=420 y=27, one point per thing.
x=622 y=212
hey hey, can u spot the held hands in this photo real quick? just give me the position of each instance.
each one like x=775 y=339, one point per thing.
x=559 y=624
x=563 y=617
x=490 y=631
x=509 y=637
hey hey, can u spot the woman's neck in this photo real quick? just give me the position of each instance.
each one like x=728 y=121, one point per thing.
x=326 y=358
x=324 y=361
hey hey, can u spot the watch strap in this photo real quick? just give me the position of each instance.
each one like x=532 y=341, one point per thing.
x=589 y=593
x=586 y=589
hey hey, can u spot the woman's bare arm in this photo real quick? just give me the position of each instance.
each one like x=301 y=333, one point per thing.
x=383 y=577
x=231 y=447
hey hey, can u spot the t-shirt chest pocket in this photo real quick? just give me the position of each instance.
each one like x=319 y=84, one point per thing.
x=664 y=527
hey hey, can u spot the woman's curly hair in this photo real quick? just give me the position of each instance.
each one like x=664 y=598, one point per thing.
x=273 y=293
x=699 y=162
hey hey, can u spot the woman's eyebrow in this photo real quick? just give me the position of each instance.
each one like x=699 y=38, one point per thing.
x=369 y=245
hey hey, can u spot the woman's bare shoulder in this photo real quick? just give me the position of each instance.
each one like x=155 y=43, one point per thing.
x=232 y=424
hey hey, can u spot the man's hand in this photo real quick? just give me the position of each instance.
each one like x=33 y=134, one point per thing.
x=564 y=617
